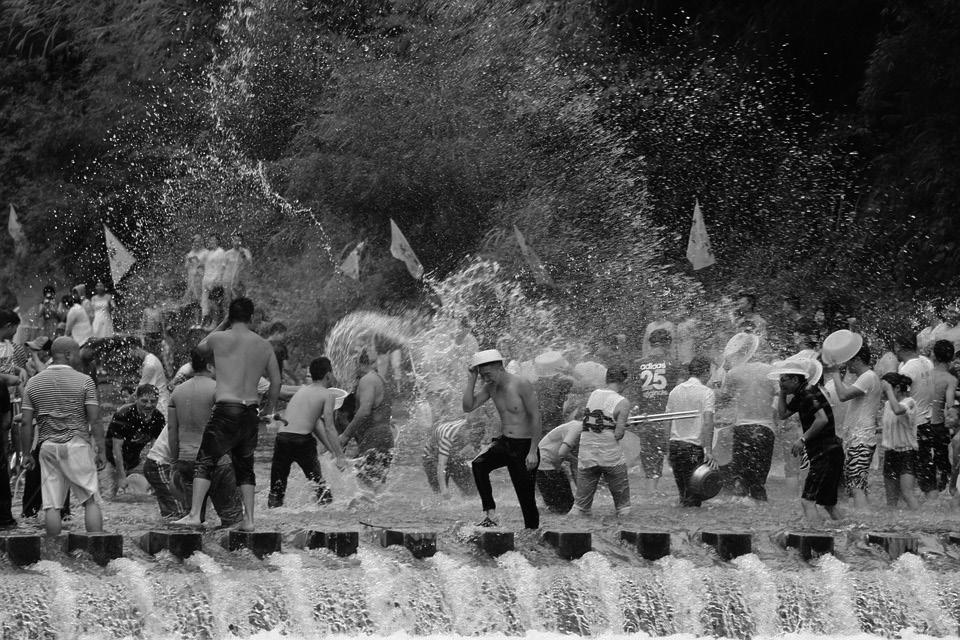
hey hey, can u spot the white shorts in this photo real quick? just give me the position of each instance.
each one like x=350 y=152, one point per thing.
x=68 y=465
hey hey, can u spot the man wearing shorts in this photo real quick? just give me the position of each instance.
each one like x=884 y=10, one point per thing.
x=187 y=416
x=864 y=397
x=657 y=374
x=370 y=425
x=241 y=357
x=64 y=404
x=819 y=438
x=516 y=446
x=561 y=443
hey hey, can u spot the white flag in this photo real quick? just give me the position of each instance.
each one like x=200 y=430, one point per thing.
x=351 y=265
x=16 y=232
x=401 y=250
x=120 y=259
x=699 y=252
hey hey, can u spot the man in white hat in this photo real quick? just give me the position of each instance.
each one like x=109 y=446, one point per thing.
x=819 y=438
x=750 y=392
x=516 y=447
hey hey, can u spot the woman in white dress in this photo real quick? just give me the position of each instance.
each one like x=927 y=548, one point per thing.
x=102 y=311
x=78 y=322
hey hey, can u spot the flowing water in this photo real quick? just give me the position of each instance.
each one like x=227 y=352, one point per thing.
x=461 y=591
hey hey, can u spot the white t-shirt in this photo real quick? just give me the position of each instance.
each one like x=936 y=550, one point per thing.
x=601 y=449
x=900 y=432
x=213 y=265
x=691 y=395
x=82 y=330
x=151 y=372
x=860 y=422
x=920 y=371
x=549 y=446
x=751 y=393
x=160 y=451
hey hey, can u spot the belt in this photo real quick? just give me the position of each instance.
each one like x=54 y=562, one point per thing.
x=237 y=403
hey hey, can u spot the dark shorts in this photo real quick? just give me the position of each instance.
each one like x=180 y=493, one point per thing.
x=823 y=479
x=899 y=463
x=233 y=429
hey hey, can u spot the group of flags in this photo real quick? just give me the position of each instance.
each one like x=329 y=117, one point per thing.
x=119 y=256
x=699 y=251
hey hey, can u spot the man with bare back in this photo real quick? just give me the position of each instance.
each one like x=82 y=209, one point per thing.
x=516 y=446
x=241 y=357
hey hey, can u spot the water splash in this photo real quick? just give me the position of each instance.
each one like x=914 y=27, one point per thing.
x=840 y=596
x=757 y=586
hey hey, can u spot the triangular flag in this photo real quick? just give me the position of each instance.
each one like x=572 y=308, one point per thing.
x=351 y=265
x=539 y=272
x=401 y=250
x=16 y=232
x=120 y=258
x=699 y=252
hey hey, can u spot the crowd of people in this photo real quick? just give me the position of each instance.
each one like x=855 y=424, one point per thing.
x=559 y=428
x=891 y=408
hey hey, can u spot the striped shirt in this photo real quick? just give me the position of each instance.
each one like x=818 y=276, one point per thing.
x=447 y=438
x=691 y=395
x=58 y=397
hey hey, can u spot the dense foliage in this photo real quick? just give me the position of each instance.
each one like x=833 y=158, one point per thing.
x=821 y=140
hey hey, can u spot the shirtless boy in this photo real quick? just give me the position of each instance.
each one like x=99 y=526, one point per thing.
x=516 y=447
x=309 y=413
x=242 y=357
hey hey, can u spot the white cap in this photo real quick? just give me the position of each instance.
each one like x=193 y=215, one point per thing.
x=806 y=367
x=485 y=357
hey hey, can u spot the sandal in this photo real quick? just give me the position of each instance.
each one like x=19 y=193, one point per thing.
x=488 y=522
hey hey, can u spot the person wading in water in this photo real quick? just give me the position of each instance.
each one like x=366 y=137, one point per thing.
x=516 y=447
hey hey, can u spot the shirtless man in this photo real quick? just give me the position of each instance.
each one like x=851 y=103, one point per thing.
x=242 y=357
x=309 y=413
x=370 y=425
x=516 y=447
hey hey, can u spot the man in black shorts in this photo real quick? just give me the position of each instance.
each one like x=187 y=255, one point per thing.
x=819 y=437
x=240 y=357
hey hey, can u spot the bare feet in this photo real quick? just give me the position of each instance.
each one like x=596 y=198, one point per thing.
x=188 y=521
x=246 y=525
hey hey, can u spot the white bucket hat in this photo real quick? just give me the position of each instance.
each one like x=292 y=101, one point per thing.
x=550 y=363
x=485 y=357
x=740 y=348
x=806 y=367
x=590 y=374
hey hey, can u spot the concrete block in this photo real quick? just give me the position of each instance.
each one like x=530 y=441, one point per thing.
x=342 y=543
x=422 y=544
x=22 y=549
x=102 y=547
x=895 y=544
x=261 y=543
x=729 y=544
x=495 y=541
x=570 y=545
x=651 y=545
x=810 y=543
x=181 y=544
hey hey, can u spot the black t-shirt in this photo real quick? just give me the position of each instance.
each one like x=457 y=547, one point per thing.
x=806 y=404
x=651 y=381
x=280 y=351
x=136 y=430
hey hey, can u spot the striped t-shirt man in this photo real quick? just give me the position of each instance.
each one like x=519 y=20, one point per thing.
x=58 y=397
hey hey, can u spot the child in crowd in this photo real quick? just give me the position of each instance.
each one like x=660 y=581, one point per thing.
x=899 y=440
